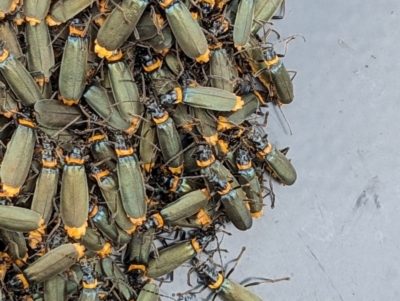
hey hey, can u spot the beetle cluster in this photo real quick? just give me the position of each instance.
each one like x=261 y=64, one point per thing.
x=126 y=120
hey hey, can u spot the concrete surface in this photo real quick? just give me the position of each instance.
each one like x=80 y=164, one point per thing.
x=336 y=232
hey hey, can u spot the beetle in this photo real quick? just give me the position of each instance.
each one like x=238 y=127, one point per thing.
x=74 y=276
x=209 y=166
x=206 y=161
x=18 y=78
x=243 y=23
x=55 y=288
x=191 y=165
x=40 y=54
x=250 y=182
x=36 y=11
x=102 y=151
x=119 y=25
x=183 y=207
x=276 y=162
x=125 y=92
x=174 y=63
x=47 y=266
x=206 y=125
x=64 y=10
x=172 y=257
x=72 y=77
x=183 y=117
x=280 y=79
x=8 y=105
x=45 y=191
x=92 y=241
x=18 y=157
x=110 y=191
x=16 y=246
x=220 y=70
x=131 y=182
x=28 y=187
x=74 y=195
x=138 y=254
x=149 y=292
x=161 y=43
x=186 y=30
x=147 y=146
x=161 y=78
x=203 y=97
x=226 y=152
x=19 y=219
x=203 y=219
x=8 y=35
x=264 y=11
x=148 y=27
x=254 y=55
x=236 y=207
x=90 y=291
x=101 y=219
x=110 y=269
x=168 y=138
x=102 y=101
x=52 y=114
x=229 y=120
x=179 y=186
x=270 y=70
x=226 y=289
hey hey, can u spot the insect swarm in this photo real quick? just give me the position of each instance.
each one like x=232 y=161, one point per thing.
x=126 y=122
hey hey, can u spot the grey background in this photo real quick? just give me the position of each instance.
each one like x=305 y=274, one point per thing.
x=336 y=231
